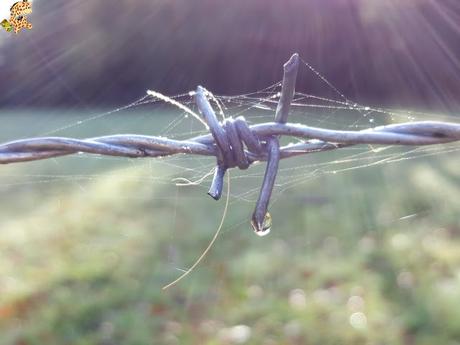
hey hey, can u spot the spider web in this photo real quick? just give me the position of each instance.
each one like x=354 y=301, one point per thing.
x=162 y=117
x=142 y=115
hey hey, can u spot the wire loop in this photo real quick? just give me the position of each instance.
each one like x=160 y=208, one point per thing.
x=230 y=138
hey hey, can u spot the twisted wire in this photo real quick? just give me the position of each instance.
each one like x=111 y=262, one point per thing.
x=236 y=144
x=138 y=146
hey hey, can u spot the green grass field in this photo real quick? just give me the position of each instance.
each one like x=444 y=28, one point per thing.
x=368 y=256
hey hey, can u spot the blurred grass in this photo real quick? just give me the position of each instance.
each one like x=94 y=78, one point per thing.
x=370 y=256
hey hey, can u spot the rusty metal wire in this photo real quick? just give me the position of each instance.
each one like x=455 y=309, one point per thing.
x=236 y=144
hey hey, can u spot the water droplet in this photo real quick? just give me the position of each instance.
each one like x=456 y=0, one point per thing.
x=266 y=226
x=371 y=120
x=192 y=93
x=186 y=116
x=367 y=108
x=263 y=233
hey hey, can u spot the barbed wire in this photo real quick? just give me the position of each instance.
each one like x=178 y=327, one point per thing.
x=236 y=144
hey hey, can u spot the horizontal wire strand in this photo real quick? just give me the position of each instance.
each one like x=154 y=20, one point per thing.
x=319 y=139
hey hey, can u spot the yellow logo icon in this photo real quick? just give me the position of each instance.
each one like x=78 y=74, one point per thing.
x=18 y=17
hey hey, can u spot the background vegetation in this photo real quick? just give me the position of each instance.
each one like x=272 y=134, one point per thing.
x=370 y=256
x=83 y=53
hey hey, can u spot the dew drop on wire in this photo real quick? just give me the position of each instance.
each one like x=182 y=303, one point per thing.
x=264 y=232
x=266 y=225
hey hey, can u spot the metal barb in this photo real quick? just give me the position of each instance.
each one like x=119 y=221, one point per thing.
x=218 y=132
x=217 y=185
x=260 y=212
x=282 y=112
x=287 y=88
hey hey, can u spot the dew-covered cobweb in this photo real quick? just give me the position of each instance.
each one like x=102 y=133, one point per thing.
x=179 y=174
